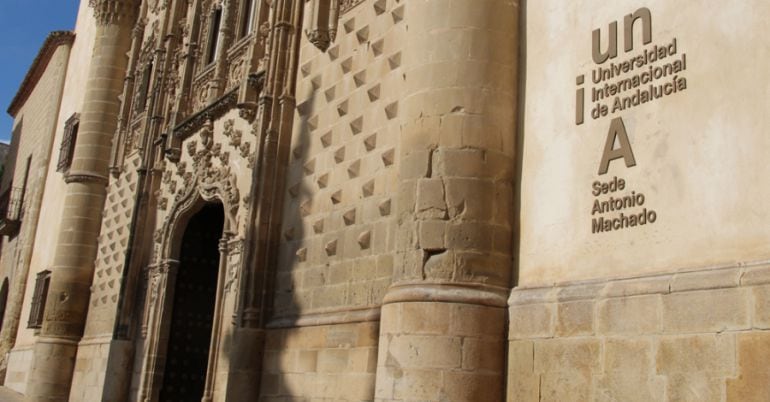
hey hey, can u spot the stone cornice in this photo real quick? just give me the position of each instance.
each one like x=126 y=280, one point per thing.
x=39 y=65
x=745 y=274
x=85 y=178
x=342 y=316
x=107 y=12
x=347 y=5
x=453 y=292
x=212 y=112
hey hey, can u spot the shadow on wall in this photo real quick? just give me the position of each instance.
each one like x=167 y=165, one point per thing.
x=520 y=133
x=267 y=352
x=281 y=375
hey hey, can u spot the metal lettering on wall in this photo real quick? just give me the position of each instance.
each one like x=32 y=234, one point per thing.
x=618 y=84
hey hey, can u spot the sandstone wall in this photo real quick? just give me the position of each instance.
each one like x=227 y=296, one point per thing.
x=335 y=362
x=336 y=256
x=672 y=309
x=694 y=336
x=699 y=152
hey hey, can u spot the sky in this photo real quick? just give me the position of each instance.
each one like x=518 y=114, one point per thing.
x=24 y=25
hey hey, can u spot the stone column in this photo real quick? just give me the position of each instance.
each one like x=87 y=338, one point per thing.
x=73 y=265
x=442 y=334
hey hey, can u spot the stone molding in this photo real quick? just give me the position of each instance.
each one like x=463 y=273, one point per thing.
x=96 y=340
x=477 y=294
x=56 y=340
x=212 y=112
x=85 y=178
x=720 y=277
x=346 y=316
x=347 y=5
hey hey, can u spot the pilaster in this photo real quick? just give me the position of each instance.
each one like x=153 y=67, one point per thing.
x=442 y=333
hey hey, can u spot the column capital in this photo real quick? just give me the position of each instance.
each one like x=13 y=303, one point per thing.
x=110 y=12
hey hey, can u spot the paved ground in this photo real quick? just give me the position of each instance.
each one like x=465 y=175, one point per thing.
x=6 y=395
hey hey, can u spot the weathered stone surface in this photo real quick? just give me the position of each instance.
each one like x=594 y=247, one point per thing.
x=706 y=311
x=761 y=305
x=523 y=382
x=710 y=355
x=575 y=318
x=694 y=388
x=567 y=355
x=753 y=380
x=531 y=321
x=629 y=315
x=629 y=372
x=716 y=279
x=425 y=318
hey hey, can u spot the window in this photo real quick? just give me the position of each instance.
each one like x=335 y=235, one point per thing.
x=67 y=150
x=144 y=88
x=216 y=20
x=39 y=298
x=247 y=18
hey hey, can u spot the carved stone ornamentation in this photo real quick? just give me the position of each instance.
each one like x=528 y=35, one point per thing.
x=158 y=5
x=321 y=21
x=212 y=112
x=233 y=134
x=347 y=5
x=110 y=12
x=319 y=39
x=245 y=149
x=192 y=148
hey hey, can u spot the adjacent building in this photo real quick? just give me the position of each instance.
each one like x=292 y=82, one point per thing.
x=35 y=110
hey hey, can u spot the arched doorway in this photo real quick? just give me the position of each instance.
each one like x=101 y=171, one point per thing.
x=194 y=300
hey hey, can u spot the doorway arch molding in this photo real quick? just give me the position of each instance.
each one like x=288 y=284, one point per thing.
x=217 y=186
x=206 y=185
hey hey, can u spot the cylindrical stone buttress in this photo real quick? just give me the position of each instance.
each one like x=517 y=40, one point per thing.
x=442 y=335
x=72 y=272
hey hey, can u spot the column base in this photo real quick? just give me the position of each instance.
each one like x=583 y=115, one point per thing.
x=442 y=349
x=52 y=366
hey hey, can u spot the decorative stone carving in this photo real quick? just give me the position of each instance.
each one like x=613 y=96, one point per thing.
x=347 y=5
x=319 y=38
x=321 y=20
x=158 y=5
x=214 y=111
x=109 y=12
x=234 y=250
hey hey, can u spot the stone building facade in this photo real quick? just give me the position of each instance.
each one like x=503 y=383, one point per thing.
x=35 y=109
x=397 y=200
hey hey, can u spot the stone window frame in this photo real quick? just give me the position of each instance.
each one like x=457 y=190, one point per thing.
x=214 y=40
x=246 y=18
x=143 y=87
x=39 y=298
x=67 y=148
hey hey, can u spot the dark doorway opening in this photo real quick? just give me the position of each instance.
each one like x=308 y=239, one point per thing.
x=189 y=340
x=3 y=301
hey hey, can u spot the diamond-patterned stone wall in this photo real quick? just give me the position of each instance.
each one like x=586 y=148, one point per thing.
x=337 y=232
